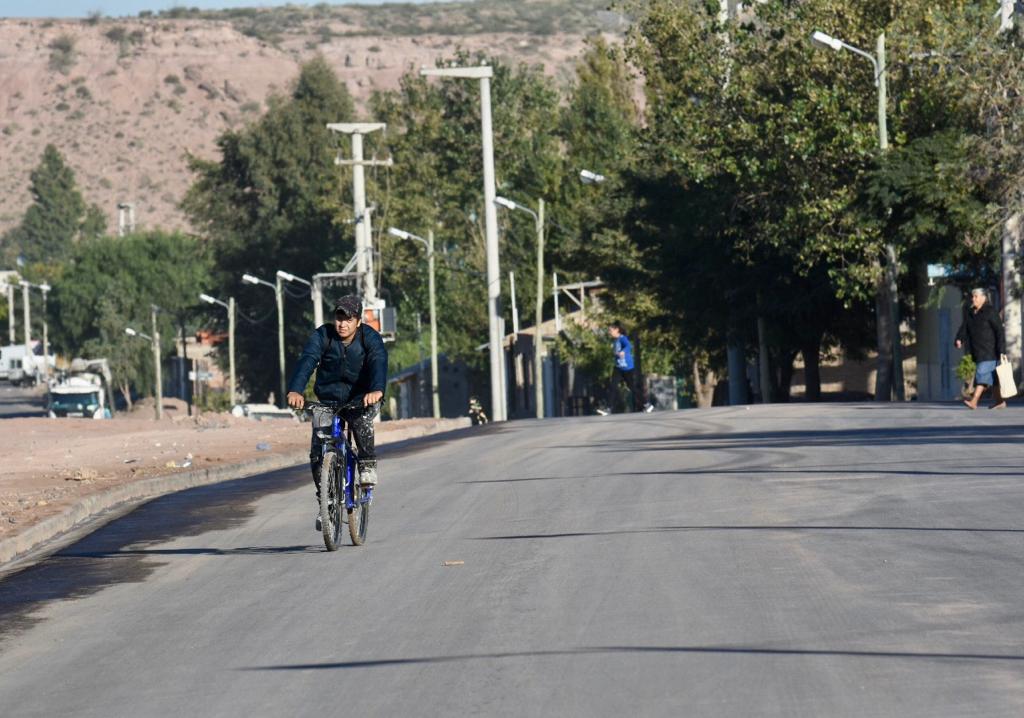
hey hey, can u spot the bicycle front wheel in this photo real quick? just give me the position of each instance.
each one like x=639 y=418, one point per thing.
x=331 y=500
x=358 y=517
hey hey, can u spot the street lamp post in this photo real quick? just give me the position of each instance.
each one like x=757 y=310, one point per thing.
x=313 y=291
x=27 y=317
x=45 y=289
x=279 y=296
x=428 y=243
x=538 y=344
x=155 y=340
x=230 y=306
x=892 y=267
x=484 y=73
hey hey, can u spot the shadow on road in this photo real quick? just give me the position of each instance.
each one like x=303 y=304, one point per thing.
x=781 y=528
x=116 y=553
x=874 y=437
x=612 y=650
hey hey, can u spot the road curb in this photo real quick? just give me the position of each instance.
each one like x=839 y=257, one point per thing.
x=89 y=507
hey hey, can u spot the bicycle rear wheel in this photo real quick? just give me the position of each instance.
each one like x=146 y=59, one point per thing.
x=358 y=517
x=331 y=500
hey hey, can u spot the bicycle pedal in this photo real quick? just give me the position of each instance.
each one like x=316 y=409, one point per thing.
x=319 y=524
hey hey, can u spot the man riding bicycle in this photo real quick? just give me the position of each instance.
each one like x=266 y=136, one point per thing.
x=351 y=366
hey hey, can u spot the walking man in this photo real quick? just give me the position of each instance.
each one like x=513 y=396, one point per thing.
x=981 y=335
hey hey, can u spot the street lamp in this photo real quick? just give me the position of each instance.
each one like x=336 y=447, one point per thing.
x=588 y=177
x=538 y=344
x=279 y=296
x=877 y=61
x=230 y=306
x=484 y=73
x=155 y=340
x=314 y=292
x=428 y=243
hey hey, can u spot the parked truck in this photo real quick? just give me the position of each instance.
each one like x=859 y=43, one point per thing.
x=22 y=367
x=81 y=391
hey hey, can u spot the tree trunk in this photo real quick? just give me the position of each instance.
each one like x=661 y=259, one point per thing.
x=785 y=377
x=737 y=372
x=812 y=369
x=1011 y=289
x=883 y=326
x=704 y=387
x=126 y=392
x=764 y=362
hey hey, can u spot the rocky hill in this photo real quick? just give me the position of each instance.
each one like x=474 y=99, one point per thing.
x=125 y=100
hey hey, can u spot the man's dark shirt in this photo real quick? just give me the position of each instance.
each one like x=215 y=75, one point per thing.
x=982 y=333
x=345 y=372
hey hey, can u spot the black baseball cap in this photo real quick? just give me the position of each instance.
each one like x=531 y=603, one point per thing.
x=349 y=305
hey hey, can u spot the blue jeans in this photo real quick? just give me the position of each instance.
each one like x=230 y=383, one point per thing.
x=984 y=373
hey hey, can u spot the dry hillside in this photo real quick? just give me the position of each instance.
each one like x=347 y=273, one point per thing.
x=124 y=100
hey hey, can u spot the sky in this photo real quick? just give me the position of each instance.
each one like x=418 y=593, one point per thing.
x=119 y=8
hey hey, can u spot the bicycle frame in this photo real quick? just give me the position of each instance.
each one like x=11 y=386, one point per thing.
x=338 y=440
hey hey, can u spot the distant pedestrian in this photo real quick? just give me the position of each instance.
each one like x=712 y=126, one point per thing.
x=623 y=371
x=981 y=336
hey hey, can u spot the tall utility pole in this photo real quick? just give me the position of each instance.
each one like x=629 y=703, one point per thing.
x=538 y=359
x=1013 y=228
x=230 y=306
x=484 y=73
x=363 y=228
x=538 y=344
x=887 y=300
x=153 y=309
x=27 y=319
x=428 y=243
x=279 y=297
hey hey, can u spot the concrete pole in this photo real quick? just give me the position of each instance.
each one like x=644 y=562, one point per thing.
x=512 y=297
x=554 y=292
x=231 y=347
x=317 y=291
x=1011 y=289
x=497 y=351
x=892 y=259
x=10 y=314
x=159 y=393
x=370 y=278
x=434 y=388
x=538 y=344
x=279 y=295
x=46 y=339
x=28 y=322
x=359 y=208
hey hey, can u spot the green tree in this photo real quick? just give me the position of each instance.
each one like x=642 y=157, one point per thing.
x=116 y=280
x=57 y=217
x=433 y=134
x=275 y=201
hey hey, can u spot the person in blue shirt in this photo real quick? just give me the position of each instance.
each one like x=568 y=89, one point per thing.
x=623 y=370
x=351 y=364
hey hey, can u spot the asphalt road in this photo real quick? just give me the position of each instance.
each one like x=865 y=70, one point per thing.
x=843 y=560
x=19 y=402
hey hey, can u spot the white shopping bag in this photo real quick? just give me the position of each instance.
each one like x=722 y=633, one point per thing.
x=1004 y=372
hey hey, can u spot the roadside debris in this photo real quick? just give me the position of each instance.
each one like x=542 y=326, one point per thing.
x=453 y=563
x=263 y=446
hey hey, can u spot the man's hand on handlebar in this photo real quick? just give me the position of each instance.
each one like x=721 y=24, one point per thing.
x=296 y=400
x=372 y=398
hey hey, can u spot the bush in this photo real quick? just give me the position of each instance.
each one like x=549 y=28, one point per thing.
x=62 y=55
x=966 y=368
x=82 y=93
x=172 y=79
x=62 y=107
x=116 y=34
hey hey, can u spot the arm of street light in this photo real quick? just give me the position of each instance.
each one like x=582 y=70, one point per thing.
x=292 y=278
x=509 y=204
x=256 y=280
x=824 y=40
x=212 y=300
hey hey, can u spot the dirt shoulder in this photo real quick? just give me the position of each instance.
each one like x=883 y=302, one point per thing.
x=50 y=464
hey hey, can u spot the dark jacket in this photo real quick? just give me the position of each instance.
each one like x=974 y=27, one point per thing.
x=982 y=333
x=344 y=373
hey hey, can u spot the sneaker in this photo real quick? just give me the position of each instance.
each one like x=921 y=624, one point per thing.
x=319 y=524
x=648 y=408
x=603 y=412
x=368 y=475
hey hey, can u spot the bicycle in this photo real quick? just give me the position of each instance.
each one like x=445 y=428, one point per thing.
x=338 y=482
